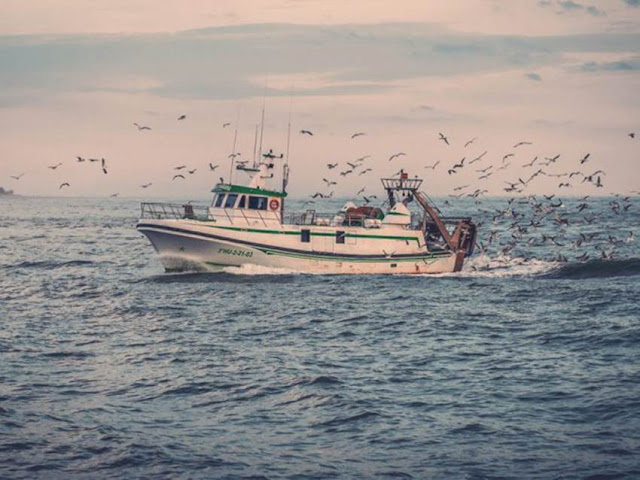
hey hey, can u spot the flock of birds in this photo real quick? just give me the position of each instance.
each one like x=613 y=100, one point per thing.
x=521 y=224
x=523 y=217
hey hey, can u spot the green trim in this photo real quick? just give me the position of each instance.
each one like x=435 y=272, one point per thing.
x=316 y=234
x=398 y=213
x=228 y=188
x=429 y=256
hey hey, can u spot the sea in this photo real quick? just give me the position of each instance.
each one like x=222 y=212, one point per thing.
x=524 y=365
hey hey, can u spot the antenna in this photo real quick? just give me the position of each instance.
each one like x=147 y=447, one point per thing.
x=264 y=101
x=285 y=166
x=233 y=150
x=255 y=144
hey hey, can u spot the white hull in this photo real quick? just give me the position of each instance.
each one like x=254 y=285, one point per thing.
x=184 y=247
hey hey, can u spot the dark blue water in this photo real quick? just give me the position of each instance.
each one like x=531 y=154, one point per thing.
x=517 y=367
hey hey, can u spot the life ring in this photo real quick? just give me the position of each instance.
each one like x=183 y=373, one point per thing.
x=274 y=204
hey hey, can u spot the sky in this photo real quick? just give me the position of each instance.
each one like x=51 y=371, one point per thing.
x=562 y=75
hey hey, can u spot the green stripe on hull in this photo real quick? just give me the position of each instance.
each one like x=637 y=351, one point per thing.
x=315 y=234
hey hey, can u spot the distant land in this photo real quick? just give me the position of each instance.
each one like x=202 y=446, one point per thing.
x=5 y=192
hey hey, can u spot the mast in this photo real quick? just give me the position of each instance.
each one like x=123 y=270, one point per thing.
x=285 y=164
x=264 y=101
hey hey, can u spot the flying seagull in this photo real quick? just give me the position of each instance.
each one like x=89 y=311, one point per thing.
x=213 y=167
x=306 y=132
x=178 y=176
x=521 y=143
x=632 y=135
x=146 y=185
x=433 y=167
x=80 y=159
x=225 y=125
x=470 y=142
x=141 y=127
x=357 y=134
x=331 y=166
x=65 y=184
x=182 y=117
x=396 y=155
x=17 y=177
x=585 y=158
x=53 y=167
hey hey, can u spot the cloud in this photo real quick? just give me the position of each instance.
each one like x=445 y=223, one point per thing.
x=570 y=5
x=595 y=12
x=617 y=66
x=236 y=62
x=534 y=76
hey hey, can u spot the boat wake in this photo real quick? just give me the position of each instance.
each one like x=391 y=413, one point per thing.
x=484 y=266
x=251 y=269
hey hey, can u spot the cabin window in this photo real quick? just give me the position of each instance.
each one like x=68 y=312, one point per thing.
x=305 y=236
x=231 y=200
x=340 y=236
x=219 y=199
x=241 y=202
x=258 y=203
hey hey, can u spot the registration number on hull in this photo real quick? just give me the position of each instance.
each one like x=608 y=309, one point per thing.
x=237 y=253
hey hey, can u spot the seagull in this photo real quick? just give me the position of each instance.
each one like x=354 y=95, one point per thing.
x=114 y=195
x=328 y=182
x=521 y=143
x=225 y=125
x=94 y=160
x=470 y=142
x=564 y=185
x=461 y=164
x=178 y=176
x=443 y=138
x=632 y=135
x=146 y=185
x=80 y=159
x=433 y=167
x=317 y=194
x=396 y=155
x=365 y=171
x=180 y=167
x=306 y=132
x=585 y=158
x=65 y=184
x=17 y=177
x=452 y=170
x=362 y=159
x=53 y=167
x=357 y=134
x=103 y=162
x=483 y=170
x=331 y=166
x=182 y=117
x=457 y=189
x=191 y=172
x=599 y=183
x=346 y=172
x=530 y=164
x=361 y=190
x=141 y=127
x=507 y=156
x=478 y=158
x=104 y=170
x=213 y=167
x=353 y=165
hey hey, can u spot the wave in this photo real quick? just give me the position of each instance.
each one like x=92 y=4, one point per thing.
x=484 y=266
x=48 y=265
x=597 y=269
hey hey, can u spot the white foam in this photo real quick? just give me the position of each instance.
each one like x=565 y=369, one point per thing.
x=503 y=266
x=251 y=269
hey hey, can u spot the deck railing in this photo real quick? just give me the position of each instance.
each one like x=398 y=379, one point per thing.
x=263 y=218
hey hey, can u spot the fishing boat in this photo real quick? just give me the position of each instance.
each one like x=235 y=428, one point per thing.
x=247 y=224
